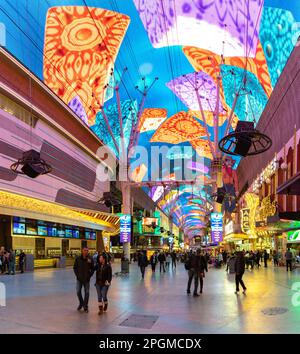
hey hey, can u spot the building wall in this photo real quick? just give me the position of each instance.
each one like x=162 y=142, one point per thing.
x=278 y=121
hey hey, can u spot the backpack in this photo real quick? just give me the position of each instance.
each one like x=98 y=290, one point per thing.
x=187 y=264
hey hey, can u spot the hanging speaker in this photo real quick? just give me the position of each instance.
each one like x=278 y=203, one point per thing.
x=31 y=165
x=245 y=141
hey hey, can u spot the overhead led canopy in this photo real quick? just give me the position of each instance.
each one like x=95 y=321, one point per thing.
x=209 y=62
x=232 y=25
x=77 y=107
x=252 y=99
x=184 y=88
x=139 y=173
x=129 y=109
x=209 y=117
x=202 y=148
x=151 y=119
x=178 y=128
x=278 y=29
x=81 y=45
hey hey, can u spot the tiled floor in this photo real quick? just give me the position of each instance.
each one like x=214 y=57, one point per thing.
x=45 y=302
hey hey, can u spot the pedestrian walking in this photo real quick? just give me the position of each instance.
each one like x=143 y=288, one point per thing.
x=275 y=258
x=83 y=269
x=142 y=262
x=174 y=259
x=288 y=259
x=239 y=272
x=168 y=260
x=257 y=258
x=12 y=262
x=266 y=257
x=153 y=261
x=197 y=267
x=22 y=259
x=193 y=273
x=162 y=258
x=103 y=281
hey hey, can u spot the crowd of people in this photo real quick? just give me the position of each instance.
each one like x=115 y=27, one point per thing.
x=165 y=259
x=8 y=261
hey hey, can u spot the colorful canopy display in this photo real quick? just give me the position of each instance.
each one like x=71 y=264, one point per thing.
x=209 y=62
x=174 y=22
x=185 y=87
x=151 y=119
x=81 y=45
x=129 y=111
x=252 y=99
x=178 y=128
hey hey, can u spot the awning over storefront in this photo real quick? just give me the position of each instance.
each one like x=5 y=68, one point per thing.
x=291 y=186
x=278 y=225
x=236 y=237
x=27 y=207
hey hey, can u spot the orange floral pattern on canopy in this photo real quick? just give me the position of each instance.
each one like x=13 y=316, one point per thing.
x=209 y=117
x=81 y=45
x=181 y=125
x=205 y=60
x=151 y=119
x=139 y=173
x=202 y=148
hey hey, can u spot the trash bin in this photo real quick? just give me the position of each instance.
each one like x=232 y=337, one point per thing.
x=125 y=266
x=61 y=262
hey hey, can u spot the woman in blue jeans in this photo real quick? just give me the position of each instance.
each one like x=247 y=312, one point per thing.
x=103 y=280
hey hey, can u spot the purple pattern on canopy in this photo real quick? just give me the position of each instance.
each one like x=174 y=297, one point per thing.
x=184 y=89
x=174 y=22
x=77 y=107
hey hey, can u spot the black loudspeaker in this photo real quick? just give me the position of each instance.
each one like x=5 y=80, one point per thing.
x=244 y=141
x=220 y=195
x=243 y=145
x=32 y=164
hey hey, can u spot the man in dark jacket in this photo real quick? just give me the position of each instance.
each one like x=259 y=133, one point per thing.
x=153 y=261
x=266 y=257
x=142 y=262
x=162 y=258
x=174 y=259
x=22 y=258
x=239 y=271
x=83 y=269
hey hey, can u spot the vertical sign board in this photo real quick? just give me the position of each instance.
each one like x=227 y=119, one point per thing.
x=125 y=228
x=216 y=227
x=245 y=225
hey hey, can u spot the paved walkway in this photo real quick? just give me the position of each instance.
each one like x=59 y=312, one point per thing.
x=45 y=302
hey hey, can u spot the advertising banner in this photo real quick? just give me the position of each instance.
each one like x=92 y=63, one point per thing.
x=216 y=227
x=125 y=228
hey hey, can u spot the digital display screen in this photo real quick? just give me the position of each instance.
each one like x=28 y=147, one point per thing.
x=18 y=228
x=31 y=229
x=93 y=235
x=76 y=233
x=69 y=233
x=42 y=230
x=52 y=231
x=18 y=219
x=87 y=235
x=61 y=233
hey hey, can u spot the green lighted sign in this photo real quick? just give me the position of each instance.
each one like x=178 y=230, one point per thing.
x=293 y=236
